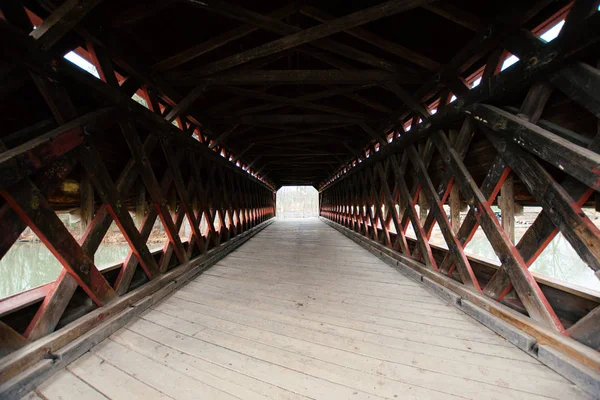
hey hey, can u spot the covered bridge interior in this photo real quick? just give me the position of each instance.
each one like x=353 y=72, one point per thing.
x=168 y=126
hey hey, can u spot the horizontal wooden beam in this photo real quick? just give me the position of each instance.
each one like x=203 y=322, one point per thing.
x=223 y=136
x=333 y=91
x=295 y=77
x=577 y=161
x=62 y=20
x=377 y=41
x=311 y=34
x=455 y=14
x=292 y=119
x=217 y=41
x=282 y=100
x=18 y=162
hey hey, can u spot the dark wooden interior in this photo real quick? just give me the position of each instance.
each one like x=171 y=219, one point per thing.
x=370 y=102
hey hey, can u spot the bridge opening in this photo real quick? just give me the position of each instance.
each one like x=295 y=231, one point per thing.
x=297 y=202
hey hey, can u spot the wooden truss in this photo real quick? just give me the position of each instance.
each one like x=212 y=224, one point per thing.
x=382 y=190
x=211 y=190
x=378 y=195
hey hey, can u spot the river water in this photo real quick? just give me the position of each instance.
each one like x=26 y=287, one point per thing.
x=28 y=265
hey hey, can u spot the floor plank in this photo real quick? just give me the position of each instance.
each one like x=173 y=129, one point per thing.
x=302 y=312
x=66 y=386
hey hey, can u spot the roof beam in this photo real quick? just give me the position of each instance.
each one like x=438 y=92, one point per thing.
x=407 y=99
x=281 y=100
x=217 y=41
x=331 y=92
x=281 y=28
x=373 y=134
x=302 y=76
x=292 y=133
x=549 y=59
x=482 y=43
x=182 y=106
x=223 y=136
x=241 y=153
x=289 y=164
x=139 y=12
x=186 y=103
x=333 y=61
x=61 y=21
x=293 y=119
x=456 y=15
x=307 y=155
x=377 y=41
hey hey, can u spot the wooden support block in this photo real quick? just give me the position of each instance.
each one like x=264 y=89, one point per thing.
x=587 y=329
x=514 y=335
x=411 y=273
x=441 y=291
x=584 y=377
x=10 y=340
x=28 y=380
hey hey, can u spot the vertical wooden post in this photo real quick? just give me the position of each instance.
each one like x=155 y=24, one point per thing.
x=454 y=199
x=423 y=206
x=173 y=202
x=507 y=207
x=140 y=204
x=455 y=208
x=86 y=193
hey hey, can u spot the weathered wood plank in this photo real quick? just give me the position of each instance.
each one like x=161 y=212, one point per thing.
x=26 y=199
x=215 y=42
x=576 y=161
x=42 y=150
x=62 y=21
x=466 y=272
x=293 y=77
x=10 y=340
x=107 y=191
x=380 y=42
x=529 y=292
x=587 y=329
x=143 y=163
x=575 y=226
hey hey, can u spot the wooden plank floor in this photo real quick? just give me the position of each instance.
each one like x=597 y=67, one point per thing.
x=302 y=312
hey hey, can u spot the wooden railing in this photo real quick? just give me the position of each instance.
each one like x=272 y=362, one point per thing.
x=115 y=145
x=411 y=182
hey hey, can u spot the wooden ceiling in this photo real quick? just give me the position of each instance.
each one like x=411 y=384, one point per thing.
x=296 y=90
